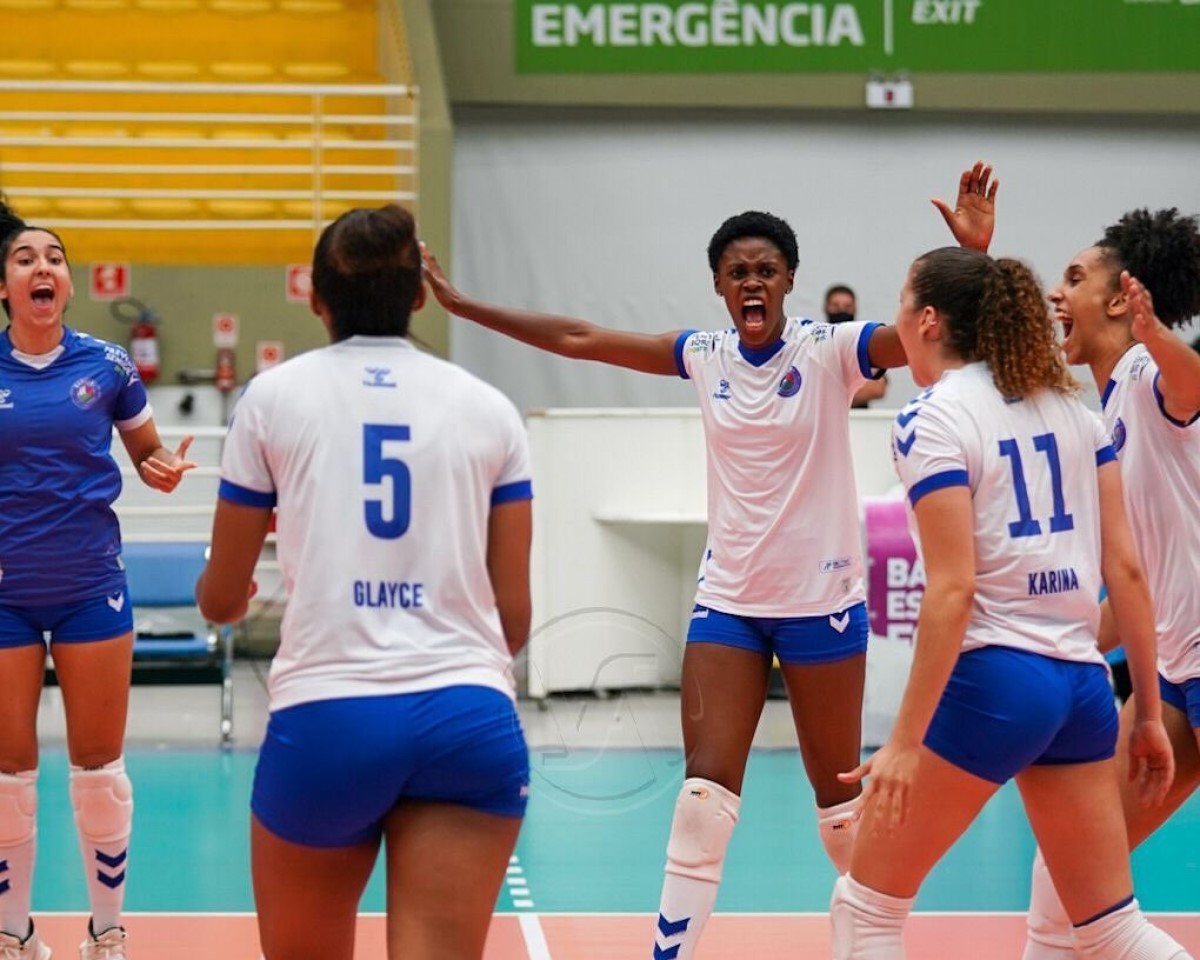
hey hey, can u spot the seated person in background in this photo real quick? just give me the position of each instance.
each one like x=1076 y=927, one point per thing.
x=840 y=307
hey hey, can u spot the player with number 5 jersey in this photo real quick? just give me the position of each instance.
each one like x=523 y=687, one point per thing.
x=402 y=489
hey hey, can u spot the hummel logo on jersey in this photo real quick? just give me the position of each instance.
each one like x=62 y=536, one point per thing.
x=723 y=391
x=5 y=403
x=840 y=623
x=116 y=602
x=378 y=377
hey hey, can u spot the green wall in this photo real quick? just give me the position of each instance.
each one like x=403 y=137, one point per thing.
x=479 y=53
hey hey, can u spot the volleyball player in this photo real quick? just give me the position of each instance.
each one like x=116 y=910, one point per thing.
x=403 y=491
x=61 y=395
x=1015 y=496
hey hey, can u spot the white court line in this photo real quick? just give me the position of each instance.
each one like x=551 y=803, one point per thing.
x=535 y=939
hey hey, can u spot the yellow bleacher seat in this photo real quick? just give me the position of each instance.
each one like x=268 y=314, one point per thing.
x=240 y=6
x=93 y=131
x=330 y=209
x=88 y=206
x=242 y=209
x=96 y=69
x=163 y=132
x=316 y=72
x=28 y=5
x=96 y=6
x=327 y=134
x=168 y=69
x=32 y=208
x=168 y=6
x=164 y=207
x=309 y=7
x=10 y=129
x=27 y=69
x=243 y=133
x=248 y=71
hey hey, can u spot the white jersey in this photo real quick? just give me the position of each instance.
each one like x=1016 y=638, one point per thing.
x=384 y=463
x=1031 y=466
x=783 y=528
x=1160 y=472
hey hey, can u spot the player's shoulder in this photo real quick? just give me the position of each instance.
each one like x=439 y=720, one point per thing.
x=103 y=353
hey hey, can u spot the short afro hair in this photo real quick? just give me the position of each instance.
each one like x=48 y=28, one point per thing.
x=1162 y=250
x=754 y=223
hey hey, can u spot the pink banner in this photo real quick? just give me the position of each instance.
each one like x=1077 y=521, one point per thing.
x=895 y=578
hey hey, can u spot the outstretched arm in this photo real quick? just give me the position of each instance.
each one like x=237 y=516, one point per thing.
x=566 y=336
x=1178 y=363
x=973 y=218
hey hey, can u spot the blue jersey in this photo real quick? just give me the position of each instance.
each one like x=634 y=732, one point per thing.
x=59 y=537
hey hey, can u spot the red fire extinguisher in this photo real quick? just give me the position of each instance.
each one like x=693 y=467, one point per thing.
x=225 y=376
x=143 y=336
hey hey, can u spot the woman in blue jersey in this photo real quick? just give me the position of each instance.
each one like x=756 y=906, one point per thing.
x=402 y=487
x=1015 y=497
x=61 y=395
x=774 y=396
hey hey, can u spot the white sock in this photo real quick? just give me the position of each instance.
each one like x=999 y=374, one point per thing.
x=837 y=826
x=18 y=849
x=705 y=815
x=103 y=802
x=867 y=924
x=1126 y=934
x=1048 y=934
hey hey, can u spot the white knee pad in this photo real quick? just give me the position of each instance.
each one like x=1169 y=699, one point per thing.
x=837 y=826
x=1126 y=934
x=705 y=815
x=866 y=924
x=1048 y=934
x=103 y=802
x=18 y=807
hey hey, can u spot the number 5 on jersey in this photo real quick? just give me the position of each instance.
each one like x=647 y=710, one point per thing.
x=386 y=521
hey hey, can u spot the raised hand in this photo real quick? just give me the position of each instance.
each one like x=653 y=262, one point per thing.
x=1141 y=305
x=439 y=286
x=973 y=219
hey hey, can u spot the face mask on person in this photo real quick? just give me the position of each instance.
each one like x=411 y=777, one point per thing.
x=839 y=317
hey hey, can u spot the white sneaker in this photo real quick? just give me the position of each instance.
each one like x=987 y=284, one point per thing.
x=31 y=948
x=110 y=945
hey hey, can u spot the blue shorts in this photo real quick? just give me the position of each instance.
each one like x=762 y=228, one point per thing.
x=794 y=640
x=1006 y=709
x=1184 y=697
x=100 y=618
x=331 y=771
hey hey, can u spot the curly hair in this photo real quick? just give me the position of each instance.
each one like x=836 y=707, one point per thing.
x=367 y=271
x=996 y=312
x=754 y=223
x=1162 y=250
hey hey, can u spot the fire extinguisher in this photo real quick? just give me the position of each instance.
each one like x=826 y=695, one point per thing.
x=225 y=376
x=143 y=336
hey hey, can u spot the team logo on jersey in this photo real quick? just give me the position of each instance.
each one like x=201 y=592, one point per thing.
x=789 y=386
x=1139 y=367
x=1119 y=435
x=723 y=391
x=5 y=403
x=378 y=377
x=85 y=392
